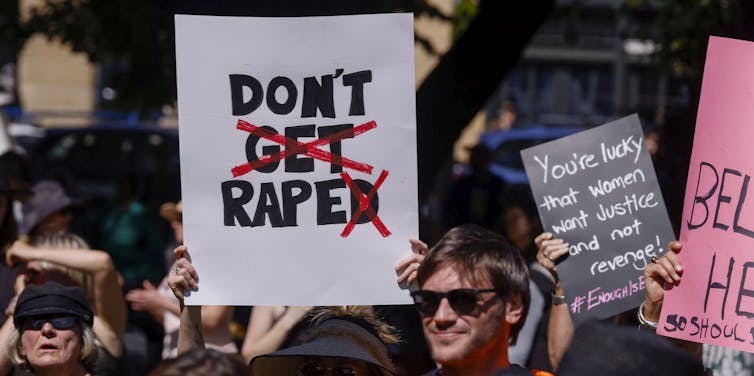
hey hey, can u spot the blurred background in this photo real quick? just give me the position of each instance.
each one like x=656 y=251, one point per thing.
x=88 y=96
x=87 y=87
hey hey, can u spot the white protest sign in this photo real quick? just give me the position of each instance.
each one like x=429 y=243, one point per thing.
x=284 y=122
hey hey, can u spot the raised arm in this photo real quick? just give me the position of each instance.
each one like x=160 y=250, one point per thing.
x=109 y=304
x=268 y=328
x=560 y=325
x=182 y=279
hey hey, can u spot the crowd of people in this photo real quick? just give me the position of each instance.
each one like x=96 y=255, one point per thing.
x=488 y=301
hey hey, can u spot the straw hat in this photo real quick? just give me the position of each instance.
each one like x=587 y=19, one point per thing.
x=172 y=211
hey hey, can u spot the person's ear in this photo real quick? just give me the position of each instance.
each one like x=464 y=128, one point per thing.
x=514 y=309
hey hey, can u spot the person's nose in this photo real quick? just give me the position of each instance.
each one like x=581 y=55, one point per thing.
x=48 y=330
x=445 y=313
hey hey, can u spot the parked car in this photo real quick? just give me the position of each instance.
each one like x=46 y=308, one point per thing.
x=506 y=147
x=91 y=159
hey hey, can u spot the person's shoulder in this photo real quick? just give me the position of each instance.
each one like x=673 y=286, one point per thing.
x=432 y=372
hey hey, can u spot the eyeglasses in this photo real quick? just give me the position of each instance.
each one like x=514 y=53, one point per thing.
x=463 y=301
x=317 y=369
x=58 y=322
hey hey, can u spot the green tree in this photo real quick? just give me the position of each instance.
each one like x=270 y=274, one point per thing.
x=683 y=27
x=133 y=40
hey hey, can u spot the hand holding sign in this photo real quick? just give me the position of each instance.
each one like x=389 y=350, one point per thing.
x=714 y=302
x=183 y=278
x=298 y=157
x=663 y=274
x=407 y=267
x=549 y=251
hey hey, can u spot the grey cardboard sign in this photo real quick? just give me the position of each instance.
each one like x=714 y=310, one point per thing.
x=598 y=191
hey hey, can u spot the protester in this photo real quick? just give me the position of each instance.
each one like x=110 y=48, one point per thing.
x=162 y=305
x=127 y=230
x=66 y=259
x=53 y=332
x=475 y=198
x=473 y=296
x=530 y=348
x=8 y=234
x=560 y=325
x=520 y=225
x=347 y=341
x=47 y=211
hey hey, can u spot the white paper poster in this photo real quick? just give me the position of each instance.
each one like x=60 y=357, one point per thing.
x=298 y=157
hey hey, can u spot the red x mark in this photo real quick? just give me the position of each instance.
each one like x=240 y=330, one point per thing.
x=365 y=205
x=294 y=147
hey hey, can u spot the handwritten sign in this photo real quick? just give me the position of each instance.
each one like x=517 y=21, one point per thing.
x=714 y=302
x=298 y=157
x=597 y=190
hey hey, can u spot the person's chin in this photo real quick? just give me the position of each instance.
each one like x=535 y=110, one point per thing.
x=447 y=348
x=47 y=360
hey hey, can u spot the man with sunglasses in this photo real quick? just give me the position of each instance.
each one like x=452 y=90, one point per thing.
x=473 y=296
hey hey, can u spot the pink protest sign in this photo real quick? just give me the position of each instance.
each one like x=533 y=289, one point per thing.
x=714 y=303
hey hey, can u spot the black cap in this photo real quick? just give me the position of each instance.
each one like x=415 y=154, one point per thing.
x=340 y=338
x=52 y=298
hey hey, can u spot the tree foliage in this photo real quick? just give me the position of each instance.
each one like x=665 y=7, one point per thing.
x=683 y=27
x=133 y=40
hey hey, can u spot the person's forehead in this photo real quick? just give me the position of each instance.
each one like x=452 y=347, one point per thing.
x=453 y=276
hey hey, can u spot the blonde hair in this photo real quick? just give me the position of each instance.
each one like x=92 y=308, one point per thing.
x=376 y=325
x=363 y=316
x=61 y=240
x=89 y=349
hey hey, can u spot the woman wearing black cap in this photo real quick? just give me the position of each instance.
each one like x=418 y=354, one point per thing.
x=66 y=259
x=53 y=331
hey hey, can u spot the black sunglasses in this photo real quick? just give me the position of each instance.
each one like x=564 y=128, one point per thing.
x=463 y=301
x=58 y=322
x=316 y=369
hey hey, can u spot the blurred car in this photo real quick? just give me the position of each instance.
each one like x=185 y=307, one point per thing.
x=90 y=160
x=506 y=147
x=25 y=135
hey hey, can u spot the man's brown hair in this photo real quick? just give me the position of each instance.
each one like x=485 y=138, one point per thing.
x=481 y=254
